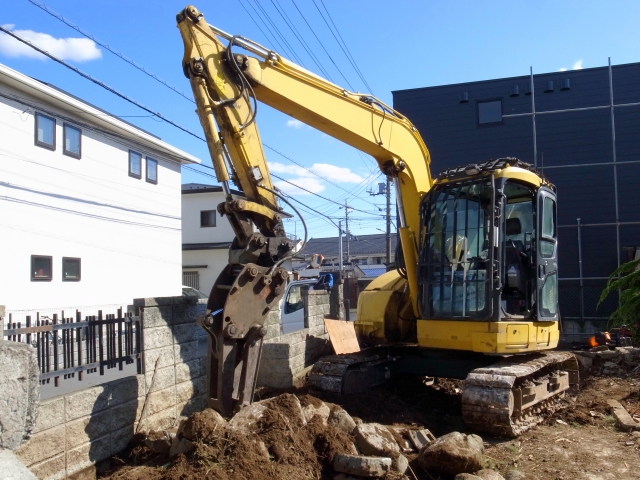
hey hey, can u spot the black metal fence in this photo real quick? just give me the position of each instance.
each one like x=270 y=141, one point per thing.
x=68 y=345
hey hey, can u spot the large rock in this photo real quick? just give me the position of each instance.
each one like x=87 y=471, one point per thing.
x=515 y=475
x=400 y=464
x=631 y=358
x=466 y=476
x=363 y=466
x=13 y=468
x=181 y=446
x=375 y=439
x=585 y=361
x=245 y=419
x=339 y=418
x=19 y=393
x=610 y=356
x=488 y=474
x=453 y=453
x=309 y=411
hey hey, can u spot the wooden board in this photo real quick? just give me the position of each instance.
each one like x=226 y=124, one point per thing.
x=342 y=335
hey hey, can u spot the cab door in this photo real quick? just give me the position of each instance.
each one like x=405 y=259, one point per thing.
x=546 y=255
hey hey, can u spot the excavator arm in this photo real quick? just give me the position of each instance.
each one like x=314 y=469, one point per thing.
x=227 y=86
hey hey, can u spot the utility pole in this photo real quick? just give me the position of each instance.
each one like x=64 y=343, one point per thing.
x=340 y=247
x=346 y=227
x=386 y=190
x=388 y=220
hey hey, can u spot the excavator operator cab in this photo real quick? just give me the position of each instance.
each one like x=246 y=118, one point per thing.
x=488 y=248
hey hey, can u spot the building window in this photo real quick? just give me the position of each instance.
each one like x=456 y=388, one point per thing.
x=45 y=131
x=490 y=112
x=41 y=268
x=70 y=269
x=152 y=170
x=72 y=141
x=207 y=218
x=135 y=164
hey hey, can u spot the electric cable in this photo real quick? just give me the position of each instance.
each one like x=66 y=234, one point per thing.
x=349 y=56
x=54 y=14
x=298 y=36
x=97 y=82
x=322 y=45
x=273 y=39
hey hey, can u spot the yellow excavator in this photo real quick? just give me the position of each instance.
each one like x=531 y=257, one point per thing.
x=474 y=295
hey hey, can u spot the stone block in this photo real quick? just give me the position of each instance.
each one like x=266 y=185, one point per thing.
x=162 y=420
x=585 y=361
x=272 y=318
x=371 y=467
x=125 y=414
x=292 y=338
x=13 y=468
x=19 y=391
x=273 y=331
x=453 y=453
x=87 y=429
x=155 y=301
x=188 y=351
x=52 y=468
x=86 y=402
x=157 y=317
x=166 y=355
x=375 y=439
x=88 y=454
x=120 y=438
x=341 y=419
x=160 y=379
x=187 y=390
x=161 y=400
x=157 y=337
x=42 y=446
x=188 y=332
x=188 y=370
x=318 y=330
x=275 y=380
x=51 y=414
x=183 y=314
x=124 y=390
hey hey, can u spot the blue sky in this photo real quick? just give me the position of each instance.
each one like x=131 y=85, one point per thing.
x=396 y=45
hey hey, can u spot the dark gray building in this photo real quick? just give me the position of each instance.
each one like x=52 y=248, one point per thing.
x=581 y=128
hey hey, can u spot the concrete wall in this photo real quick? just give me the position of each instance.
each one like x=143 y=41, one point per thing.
x=286 y=357
x=125 y=230
x=75 y=431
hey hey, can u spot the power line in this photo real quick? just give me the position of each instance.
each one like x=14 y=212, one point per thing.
x=97 y=82
x=42 y=6
x=297 y=34
x=322 y=45
x=275 y=40
x=277 y=30
x=340 y=45
x=355 y=66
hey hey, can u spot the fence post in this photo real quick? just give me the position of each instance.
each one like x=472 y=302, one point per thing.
x=100 y=345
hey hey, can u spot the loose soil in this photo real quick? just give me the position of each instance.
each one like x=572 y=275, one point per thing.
x=580 y=442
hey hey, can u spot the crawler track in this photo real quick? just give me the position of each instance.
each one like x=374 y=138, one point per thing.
x=505 y=398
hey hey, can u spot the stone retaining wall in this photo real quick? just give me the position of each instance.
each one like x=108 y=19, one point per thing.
x=286 y=357
x=76 y=430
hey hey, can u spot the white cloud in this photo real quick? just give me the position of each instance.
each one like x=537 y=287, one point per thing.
x=314 y=185
x=293 y=123
x=563 y=69
x=77 y=49
x=577 y=65
x=325 y=170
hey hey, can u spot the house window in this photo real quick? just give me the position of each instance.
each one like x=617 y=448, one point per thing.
x=45 y=131
x=72 y=140
x=207 y=218
x=152 y=170
x=135 y=164
x=490 y=112
x=70 y=269
x=41 y=268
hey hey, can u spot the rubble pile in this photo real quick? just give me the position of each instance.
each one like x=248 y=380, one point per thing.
x=300 y=437
x=621 y=361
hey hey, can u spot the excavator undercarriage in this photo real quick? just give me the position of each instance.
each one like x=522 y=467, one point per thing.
x=503 y=398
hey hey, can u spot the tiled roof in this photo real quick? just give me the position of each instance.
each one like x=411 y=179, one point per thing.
x=372 y=270
x=371 y=245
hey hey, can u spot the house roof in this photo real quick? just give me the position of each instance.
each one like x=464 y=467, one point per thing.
x=50 y=95
x=188 y=188
x=375 y=244
x=371 y=271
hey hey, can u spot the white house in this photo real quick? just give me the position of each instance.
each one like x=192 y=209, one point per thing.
x=206 y=235
x=89 y=204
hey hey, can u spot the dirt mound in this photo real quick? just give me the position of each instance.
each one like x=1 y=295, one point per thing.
x=281 y=445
